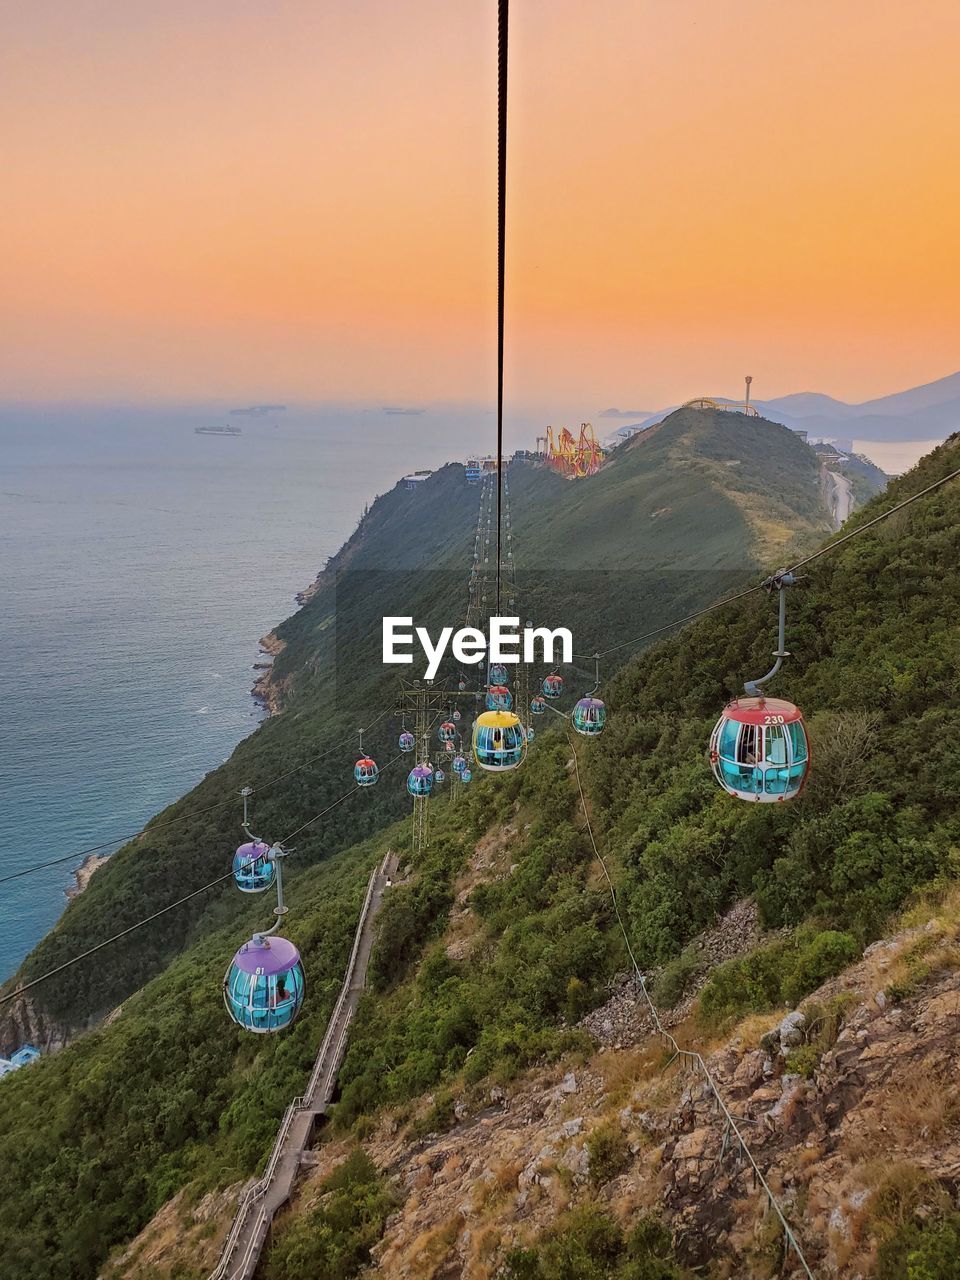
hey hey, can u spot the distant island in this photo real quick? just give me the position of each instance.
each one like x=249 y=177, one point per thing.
x=257 y=410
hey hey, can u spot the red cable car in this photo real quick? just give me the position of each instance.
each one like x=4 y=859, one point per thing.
x=759 y=750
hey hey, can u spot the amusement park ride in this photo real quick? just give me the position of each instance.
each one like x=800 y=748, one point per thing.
x=730 y=406
x=570 y=456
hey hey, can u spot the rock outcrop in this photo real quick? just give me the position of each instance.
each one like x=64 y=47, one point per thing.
x=267 y=690
x=827 y=1141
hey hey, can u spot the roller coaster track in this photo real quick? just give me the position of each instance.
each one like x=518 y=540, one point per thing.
x=258 y=1205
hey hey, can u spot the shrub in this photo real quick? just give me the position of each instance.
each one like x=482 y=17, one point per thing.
x=781 y=972
x=825 y=955
x=670 y=988
x=747 y=984
x=334 y=1239
x=608 y=1153
x=803 y=1061
x=927 y=1250
x=578 y=998
x=587 y=1244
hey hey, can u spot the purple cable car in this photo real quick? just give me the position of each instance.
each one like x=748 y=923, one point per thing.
x=264 y=986
x=589 y=717
x=253 y=868
x=420 y=780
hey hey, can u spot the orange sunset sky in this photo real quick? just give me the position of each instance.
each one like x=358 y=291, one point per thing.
x=276 y=198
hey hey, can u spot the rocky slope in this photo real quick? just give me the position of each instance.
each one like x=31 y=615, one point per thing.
x=872 y=1116
x=866 y=1135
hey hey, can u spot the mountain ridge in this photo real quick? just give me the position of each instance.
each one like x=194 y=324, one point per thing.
x=918 y=413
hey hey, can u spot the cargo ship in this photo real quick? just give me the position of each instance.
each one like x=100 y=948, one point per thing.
x=228 y=430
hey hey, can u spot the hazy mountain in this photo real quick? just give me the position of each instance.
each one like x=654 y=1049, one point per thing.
x=921 y=413
x=928 y=412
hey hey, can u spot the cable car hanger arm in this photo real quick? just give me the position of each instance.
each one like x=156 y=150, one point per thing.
x=779 y=583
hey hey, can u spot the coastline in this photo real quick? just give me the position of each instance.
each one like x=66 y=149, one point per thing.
x=266 y=691
x=84 y=874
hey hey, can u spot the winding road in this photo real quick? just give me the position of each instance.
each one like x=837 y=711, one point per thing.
x=841 y=497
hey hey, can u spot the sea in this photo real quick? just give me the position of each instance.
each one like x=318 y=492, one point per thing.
x=140 y=563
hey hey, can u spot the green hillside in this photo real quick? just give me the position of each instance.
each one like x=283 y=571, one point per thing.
x=876 y=666
x=675 y=519
x=169 y=1094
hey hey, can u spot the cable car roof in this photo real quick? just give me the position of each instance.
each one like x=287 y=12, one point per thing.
x=758 y=711
x=497 y=720
x=269 y=956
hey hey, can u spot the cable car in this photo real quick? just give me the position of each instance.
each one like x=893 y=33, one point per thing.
x=553 y=685
x=450 y=747
x=406 y=742
x=465 y=776
x=499 y=674
x=461 y=684
x=458 y=764
x=439 y=775
x=420 y=780
x=538 y=707
x=253 y=868
x=447 y=731
x=457 y=716
x=498 y=740
x=589 y=717
x=759 y=750
x=366 y=772
x=264 y=986
x=499 y=698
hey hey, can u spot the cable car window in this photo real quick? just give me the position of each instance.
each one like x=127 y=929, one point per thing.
x=728 y=738
x=775 y=781
x=775 y=745
x=798 y=740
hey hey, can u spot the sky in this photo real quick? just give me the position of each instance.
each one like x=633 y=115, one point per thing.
x=295 y=199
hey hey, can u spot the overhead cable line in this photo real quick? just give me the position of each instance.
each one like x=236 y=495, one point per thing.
x=50 y=973
x=150 y=827
x=763 y=586
x=503 y=31
x=688 y=1055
